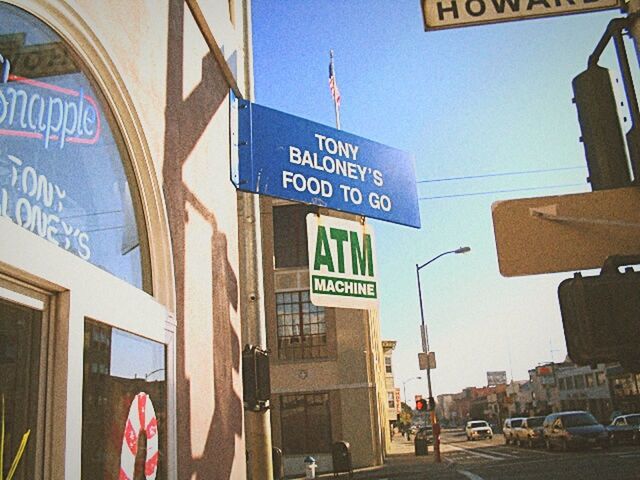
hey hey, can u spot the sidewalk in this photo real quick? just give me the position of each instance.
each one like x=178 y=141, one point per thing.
x=401 y=460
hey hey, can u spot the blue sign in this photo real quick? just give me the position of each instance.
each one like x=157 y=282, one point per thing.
x=288 y=157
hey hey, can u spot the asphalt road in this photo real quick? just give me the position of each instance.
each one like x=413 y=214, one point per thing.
x=493 y=460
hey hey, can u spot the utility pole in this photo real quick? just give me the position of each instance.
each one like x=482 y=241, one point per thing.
x=252 y=312
x=257 y=424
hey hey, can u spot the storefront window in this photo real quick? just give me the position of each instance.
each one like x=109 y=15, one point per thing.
x=20 y=340
x=62 y=168
x=124 y=408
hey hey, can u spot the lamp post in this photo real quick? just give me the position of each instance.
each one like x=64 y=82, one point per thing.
x=425 y=349
x=404 y=386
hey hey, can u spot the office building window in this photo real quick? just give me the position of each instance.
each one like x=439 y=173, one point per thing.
x=391 y=400
x=589 y=379
x=306 y=423
x=302 y=330
x=387 y=365
x=290 y=235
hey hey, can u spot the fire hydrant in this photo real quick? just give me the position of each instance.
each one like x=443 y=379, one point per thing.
x=310 y=469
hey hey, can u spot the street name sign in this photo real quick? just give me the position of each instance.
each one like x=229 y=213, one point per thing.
x=288 y=157
x=427 y=361
x=342 y=267
x=440 y=14
x=566 y=232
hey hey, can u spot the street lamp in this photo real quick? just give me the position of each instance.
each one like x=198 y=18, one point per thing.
x=425 y=349
x=404 y=386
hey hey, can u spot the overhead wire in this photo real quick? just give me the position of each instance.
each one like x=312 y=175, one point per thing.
x=473 y=194
x=501 y=174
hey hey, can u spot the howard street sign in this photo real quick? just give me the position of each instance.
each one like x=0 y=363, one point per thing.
x=292 y=158
x=439 y=14
x=565 y=232
x=342 y=270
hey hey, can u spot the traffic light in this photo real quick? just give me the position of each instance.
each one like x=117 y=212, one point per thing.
x=421 y=405
x=256 y=381
x=601 y=318
x=601 y=132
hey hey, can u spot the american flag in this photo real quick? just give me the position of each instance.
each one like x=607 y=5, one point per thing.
x=335 y=93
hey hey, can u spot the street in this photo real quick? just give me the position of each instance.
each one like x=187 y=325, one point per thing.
x=492 y=459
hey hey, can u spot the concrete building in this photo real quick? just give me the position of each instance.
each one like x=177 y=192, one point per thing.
x=584 y=388
x=121 y=267
x=327 y=366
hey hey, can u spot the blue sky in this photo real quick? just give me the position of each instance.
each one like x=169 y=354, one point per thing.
x=468 y=101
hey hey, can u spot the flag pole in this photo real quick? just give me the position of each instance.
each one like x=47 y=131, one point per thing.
x=335 y=100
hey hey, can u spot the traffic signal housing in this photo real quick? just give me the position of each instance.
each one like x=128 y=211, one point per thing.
x=256 y=380
x=602 y=137
x=601 y=318
x=422 y=405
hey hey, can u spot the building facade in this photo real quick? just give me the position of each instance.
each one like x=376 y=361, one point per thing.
x=327 y=366
x=120 y=266
x=392 y=393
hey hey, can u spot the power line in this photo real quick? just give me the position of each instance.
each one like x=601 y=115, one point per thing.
x=501 y=191
x=501 y=174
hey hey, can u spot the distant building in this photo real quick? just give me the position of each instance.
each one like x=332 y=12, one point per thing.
x=392 y=392
x=584 y=388
x=625 y=394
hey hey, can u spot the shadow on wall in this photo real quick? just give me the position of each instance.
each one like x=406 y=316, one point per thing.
x=186 y=120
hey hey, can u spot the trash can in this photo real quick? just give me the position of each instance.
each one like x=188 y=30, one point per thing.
x=341 y=456
x=278 y=464
x=420 y=446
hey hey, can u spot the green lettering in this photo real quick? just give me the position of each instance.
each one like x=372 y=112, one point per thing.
x=323 y=252
x=340 y=236
x=361 y=260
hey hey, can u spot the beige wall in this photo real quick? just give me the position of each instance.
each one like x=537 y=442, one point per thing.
x=170 y=99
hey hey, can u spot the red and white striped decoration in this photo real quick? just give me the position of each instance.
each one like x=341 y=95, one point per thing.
x=142 y=418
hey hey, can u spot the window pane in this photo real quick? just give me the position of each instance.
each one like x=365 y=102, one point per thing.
x=124 y=412
x=307 y=336
x=306 y=423
x=20 y=339
x=290 y=235
x=61 y=169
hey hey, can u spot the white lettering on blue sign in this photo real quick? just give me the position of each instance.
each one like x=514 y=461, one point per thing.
x=339 y=158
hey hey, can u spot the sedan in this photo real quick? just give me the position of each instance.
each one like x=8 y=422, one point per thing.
x=476 y=429
x=625 y=428
x=574 y=429
x=529 y=433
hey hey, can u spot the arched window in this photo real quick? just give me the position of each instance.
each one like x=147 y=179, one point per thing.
x=63 y=172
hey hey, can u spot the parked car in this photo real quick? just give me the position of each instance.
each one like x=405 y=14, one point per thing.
x=625 y=428
x=476 y=429
x=425 y=433
x=510 y=424
x=529 y=433
x=573 y=429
